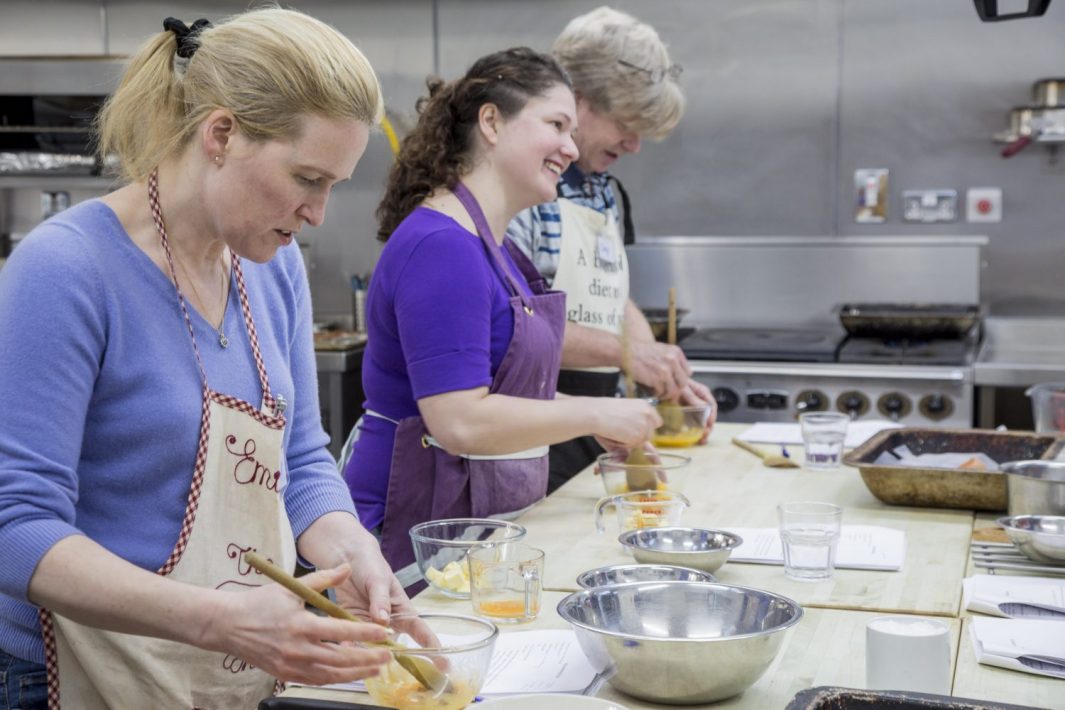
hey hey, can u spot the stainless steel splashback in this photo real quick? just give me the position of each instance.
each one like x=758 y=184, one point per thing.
x=767 y=281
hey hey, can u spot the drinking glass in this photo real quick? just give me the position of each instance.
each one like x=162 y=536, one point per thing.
x=506 y=581
x=810 y=533
x=822 y=435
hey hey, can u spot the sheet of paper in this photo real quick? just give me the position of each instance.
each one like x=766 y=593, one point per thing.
x=860 y=547
x=790 y=433
x=542 y=661
x=1028 y=645
x=1015 y=597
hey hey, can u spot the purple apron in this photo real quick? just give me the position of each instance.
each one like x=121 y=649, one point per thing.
x=427 y=483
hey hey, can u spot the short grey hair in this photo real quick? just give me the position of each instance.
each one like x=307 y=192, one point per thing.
x=621 y=67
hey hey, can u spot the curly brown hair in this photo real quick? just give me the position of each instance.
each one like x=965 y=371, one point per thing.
x=437 y=152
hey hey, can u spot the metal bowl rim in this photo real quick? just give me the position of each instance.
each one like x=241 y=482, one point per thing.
x=486 y=641
x=606 y=569
x=627 y=539
x=519 y=531
x=1008 y=524
x=795 y=606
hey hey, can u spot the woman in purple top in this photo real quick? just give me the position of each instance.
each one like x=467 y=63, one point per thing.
x=464 y=340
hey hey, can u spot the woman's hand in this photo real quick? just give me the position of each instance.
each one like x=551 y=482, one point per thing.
x=269 y=628
x=623 y=423
x=697 y=394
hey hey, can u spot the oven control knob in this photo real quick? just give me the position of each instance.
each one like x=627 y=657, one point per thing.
x=727 y=399
x=811 y=401
x=894 y=405
x=936 y=406
x=853 y=403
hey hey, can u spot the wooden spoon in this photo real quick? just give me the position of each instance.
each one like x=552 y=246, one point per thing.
x=637 y=479
x=770 y=460
x=423 y=670
x=671 y=412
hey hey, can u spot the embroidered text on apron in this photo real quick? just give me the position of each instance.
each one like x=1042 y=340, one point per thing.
x=234 y=506
x=425 y=482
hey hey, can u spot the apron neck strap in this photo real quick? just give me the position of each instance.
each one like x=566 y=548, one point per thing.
x=485 y=233
x=160 y=226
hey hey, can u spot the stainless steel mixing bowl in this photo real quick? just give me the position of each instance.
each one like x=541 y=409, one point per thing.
x=1040 y=537
x=680 y=642
x=700 y=549
x=618 y=574
x=1035 y=487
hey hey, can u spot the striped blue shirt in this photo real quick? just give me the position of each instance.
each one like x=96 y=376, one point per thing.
x=538 y=230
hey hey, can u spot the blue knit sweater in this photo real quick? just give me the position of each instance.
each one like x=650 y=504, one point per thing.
x=100 y=399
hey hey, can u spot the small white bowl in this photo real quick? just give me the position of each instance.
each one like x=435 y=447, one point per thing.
x=555 y=701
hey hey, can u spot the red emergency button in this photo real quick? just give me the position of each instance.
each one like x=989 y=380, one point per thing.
x=983 y=206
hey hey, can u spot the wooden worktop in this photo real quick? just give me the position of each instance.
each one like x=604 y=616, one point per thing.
x=730 y=487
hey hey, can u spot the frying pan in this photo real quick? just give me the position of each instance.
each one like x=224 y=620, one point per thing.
x=658 y=319
x=908 y=320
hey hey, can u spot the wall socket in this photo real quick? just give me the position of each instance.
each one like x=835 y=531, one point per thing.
x=871 y=195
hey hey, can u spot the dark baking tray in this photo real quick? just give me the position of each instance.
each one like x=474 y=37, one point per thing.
x=312 y=704
x=827 y=698
x=908 y=320
x=947 y=487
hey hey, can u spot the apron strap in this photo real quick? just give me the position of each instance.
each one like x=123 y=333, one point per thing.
x=485 y=233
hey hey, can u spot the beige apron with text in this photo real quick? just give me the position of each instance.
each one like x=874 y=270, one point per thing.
x=593 y=270
x=234 y=506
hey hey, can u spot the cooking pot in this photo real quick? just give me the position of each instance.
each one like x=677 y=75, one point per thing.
x=1049 y=93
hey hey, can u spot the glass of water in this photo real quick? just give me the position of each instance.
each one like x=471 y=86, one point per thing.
x=822 y=435
x=810 y=533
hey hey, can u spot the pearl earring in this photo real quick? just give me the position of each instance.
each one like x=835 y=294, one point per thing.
x=218 y=159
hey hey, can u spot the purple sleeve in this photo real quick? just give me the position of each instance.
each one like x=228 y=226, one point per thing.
x=443 y=305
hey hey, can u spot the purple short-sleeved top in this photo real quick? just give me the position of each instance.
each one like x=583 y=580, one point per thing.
x=438 y=320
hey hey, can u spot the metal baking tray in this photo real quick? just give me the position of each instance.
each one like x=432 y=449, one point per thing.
x=947 y=487
x=908 y=320
x=828 y=698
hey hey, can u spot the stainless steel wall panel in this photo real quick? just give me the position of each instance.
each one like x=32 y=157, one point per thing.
x=774 y=281
x=925 y=85
x=65 y=28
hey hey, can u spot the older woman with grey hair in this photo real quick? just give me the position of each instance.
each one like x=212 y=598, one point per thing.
x=627 y=90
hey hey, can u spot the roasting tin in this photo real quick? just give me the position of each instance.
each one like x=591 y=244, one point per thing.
x=908 y=320
x=945 y=487
x=828 y=698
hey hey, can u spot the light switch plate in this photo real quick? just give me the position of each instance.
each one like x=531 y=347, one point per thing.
x=929 y=206
x=983 y=204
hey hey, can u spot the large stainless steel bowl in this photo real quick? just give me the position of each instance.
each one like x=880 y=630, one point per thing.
x=1035 y=487
x=680 y=642
x=698 y=548
x=1040 y=537
x=619 y=574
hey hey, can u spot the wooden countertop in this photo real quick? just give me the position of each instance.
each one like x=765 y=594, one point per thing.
x=728 y=486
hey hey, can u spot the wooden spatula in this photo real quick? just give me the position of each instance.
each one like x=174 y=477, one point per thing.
x=770 y=460
x=637 y=479
x=423 y=670
x=671 y=412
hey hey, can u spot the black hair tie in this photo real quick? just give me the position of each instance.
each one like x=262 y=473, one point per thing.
x=186 y=45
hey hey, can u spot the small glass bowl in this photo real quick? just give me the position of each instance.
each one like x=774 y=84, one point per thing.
x=464 y=655
x=440 y=548
x=668 y=471
x=682 y=425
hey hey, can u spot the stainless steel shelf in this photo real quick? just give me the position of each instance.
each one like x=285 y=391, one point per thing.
x=57 y=182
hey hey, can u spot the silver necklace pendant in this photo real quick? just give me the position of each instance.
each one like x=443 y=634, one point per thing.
x=223 y=340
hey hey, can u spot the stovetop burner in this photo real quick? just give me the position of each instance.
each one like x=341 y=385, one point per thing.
x=936 y=351
x=774 y=344
x=821 y=344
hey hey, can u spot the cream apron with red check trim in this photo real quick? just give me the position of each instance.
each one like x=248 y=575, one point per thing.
x=234 y=506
